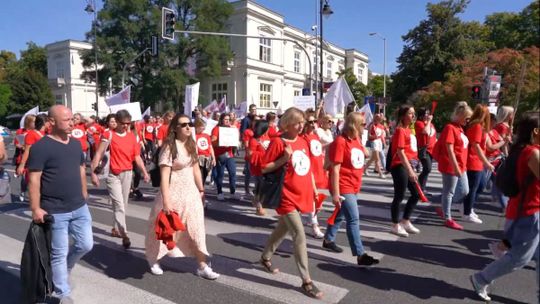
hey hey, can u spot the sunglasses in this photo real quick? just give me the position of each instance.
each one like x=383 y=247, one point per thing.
x=185 y=124
x=311 y=122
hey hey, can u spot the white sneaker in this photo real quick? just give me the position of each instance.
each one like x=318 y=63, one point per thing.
x=472 y=219
x=21 y=197
x=481 y=291
x=473 y=214
x=156 y=269
x=220 y=197
x=399 y=230
x=366 y=173
x=207 y=273
x=408 y=226
x=175 y=253
x=382 y=176
x=495 y=250
x=236 y=196
x=317 y=233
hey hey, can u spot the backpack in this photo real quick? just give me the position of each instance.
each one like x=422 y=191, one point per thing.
x=389 y=157
x=505 y=174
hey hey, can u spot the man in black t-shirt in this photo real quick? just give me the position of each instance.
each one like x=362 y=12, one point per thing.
x=57 y=186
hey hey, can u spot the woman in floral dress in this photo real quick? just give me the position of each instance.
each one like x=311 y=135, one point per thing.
x=181 y=190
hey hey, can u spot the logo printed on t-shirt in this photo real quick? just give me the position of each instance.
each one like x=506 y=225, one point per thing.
x=265 y=144
x=378 y=132
x=300 y=162
x=77 y=133
x=316 y=147
x=149 y=129
x=465 y=141
x=202 y=143
x=414 y=143
x=357 y=158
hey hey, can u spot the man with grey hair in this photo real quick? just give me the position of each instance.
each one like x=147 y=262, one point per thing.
x=57 y=186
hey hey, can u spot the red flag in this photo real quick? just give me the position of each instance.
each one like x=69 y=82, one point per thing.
x=319 y=201
x=423 y=198
x=331 y=220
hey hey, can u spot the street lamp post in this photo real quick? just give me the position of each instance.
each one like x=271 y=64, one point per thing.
x=326 y=11
x=384 y=61
x=91 y=8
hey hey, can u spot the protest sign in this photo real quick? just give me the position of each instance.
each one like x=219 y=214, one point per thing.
x=134 y=108
x=228 y=137
x=304 y=102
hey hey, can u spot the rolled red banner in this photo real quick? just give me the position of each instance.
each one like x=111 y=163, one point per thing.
x=332 y=219
x=319 y=201
x=423 y=198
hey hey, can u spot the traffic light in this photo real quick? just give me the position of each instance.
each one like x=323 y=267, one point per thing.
x=168 y=21
x=476 y=92
x=94 y=106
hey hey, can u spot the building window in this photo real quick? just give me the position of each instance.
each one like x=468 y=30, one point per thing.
x=360 y=73
x=297 y=61
x=265 y=50
x=329 y=69
x=341 y=68
x=59 y=70
x=218 y=91
x=59 y=99
x=265 y=95
x=296 y=92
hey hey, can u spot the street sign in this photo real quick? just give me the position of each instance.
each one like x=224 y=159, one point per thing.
x=306 y=92
x=275 y=103
x=155 y=46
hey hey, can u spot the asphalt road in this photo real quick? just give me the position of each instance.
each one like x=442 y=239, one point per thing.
x=432 y=267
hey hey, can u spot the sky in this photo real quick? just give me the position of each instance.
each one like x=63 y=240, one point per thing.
x=54 y=20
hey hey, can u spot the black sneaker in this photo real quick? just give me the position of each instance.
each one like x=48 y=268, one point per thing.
x=367 y=260
x=126 y=242
x=332 y=246
x=138 y=194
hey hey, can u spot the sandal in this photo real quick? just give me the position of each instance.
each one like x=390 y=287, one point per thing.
x=268 y=266
x=115 y=233
x=311 y=290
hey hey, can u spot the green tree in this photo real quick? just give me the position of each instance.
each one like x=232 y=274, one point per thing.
x=7 y=60
x=513 y=30
x=432 y=46
x=376 y=86
x=29 y=88
x=124 y=29
x=34 y=58
x=5 y=94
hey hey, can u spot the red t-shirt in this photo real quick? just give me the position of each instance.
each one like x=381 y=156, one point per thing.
x=273 y=131
x=79 y=133
x=425 y=140
x=495 y=138
x=475 y=134
x=217 y=149
x=297 y=185
x=376 y=131
x=162 y=132
x=246 y=137
x=123 y=148
x=203 y=144
x=453 y=134
x=32 y=137
x=19 y=132
x=257 y=150
x=403 y=139
x=351 y=155
x=95 y=130
x=503 y=129
x=149 y=131
x=531 y=204
x=317 y=160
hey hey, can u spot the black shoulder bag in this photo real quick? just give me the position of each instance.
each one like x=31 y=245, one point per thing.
x=271 y=187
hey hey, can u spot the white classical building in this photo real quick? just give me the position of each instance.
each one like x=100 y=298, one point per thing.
x=269 y=72
x=64 y=69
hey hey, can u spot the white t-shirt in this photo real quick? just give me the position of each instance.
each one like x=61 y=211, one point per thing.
x=326 y=137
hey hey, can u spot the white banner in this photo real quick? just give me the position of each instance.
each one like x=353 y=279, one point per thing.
x=304 y=102
x=338 y=97
x=121 y=97
x=210 y=125
x=134 y=108
x=212 y=107
x=228 y=137
x=368 y=116
x=33 y=111
x=241 y=110
x=146 y=112
x=192 y=98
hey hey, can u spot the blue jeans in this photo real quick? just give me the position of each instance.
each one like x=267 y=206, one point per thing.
x=454 y=190
x=382 y=157
x=247 y=176
x=497 y=195
x=230 y=164
x=348 y=212
x=78 y=225
x=524 y=239
x=474 y=177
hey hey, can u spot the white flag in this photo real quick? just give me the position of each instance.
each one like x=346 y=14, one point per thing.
x=146 y=112
x=192 y=98
x=368 y=116
x=338 y=97
x=33 y=111
x=212 y=107
x=222 y=107
x=121 y=97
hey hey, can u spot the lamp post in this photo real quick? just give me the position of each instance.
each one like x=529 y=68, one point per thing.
x=91 y=8
x=326 y=11
x=384 y=62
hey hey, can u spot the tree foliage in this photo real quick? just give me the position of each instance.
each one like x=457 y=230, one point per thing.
x=34 y=58
x=5 y=94
x=124 y=29
x=432 y=47
x=29 y=88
